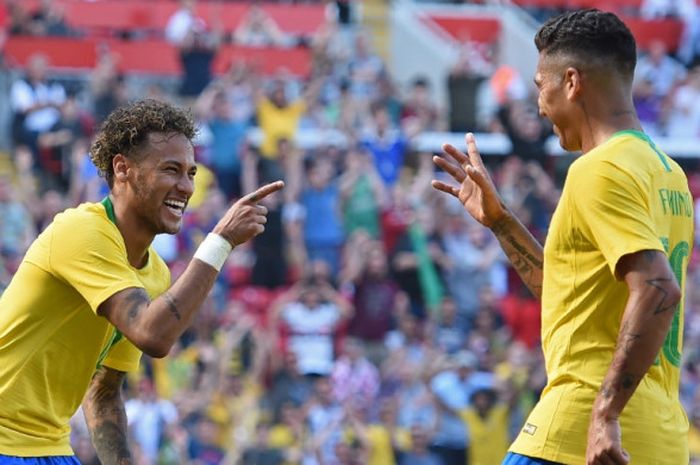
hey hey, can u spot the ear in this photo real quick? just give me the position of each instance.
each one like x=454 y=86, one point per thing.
x=120 y=165
x=573 y=83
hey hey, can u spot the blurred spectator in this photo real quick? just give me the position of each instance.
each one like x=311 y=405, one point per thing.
x=311 y=313
x=419 y=454
x=279 y=118
x=289 y=388
x=57 y=144
x=463 y=86
x=35 y=103
x=214 y=109
x=181 y=22
x=198 y=48
x=354 y=378
x=386 y=144
x=684 y=112
x=203 y=448
x=49 y=20
x=419 y=113
x=649 y=106
x=374 y=293
x=525 y=129
x=16 y=228
x=365 y=69
x=19 y=20
x=476 y=262
x=418 y=262
x=107 y=86
x=487 y=421
x=323 y=227
x=694 y=435
x=362 y=194
x=325 y=418
x=260 y=453
x=258 y=29
x=149 y=417
x=449 y=336
x=382 y=439
x=659 y=68
x=452 y=388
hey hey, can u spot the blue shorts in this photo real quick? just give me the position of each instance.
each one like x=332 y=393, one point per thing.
x=50 y=460
x=517 y=459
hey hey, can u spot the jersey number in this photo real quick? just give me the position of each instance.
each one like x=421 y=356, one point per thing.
x=676 y=258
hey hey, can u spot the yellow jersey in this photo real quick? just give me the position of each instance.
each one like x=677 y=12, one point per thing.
x=621 y=197
x=278 y=123
x=488 y=437
x=51 y=339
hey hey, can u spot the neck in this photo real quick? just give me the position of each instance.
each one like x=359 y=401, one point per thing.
x=606 y=116
x=137 y=239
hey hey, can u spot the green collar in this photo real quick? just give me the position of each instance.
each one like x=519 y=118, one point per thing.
x=633 y=133
x=109 y=208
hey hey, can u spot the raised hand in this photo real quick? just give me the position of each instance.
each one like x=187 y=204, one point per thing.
x=476 y=190
x=246 y=219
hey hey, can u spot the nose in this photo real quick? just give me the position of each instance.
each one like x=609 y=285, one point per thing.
x=186 y=185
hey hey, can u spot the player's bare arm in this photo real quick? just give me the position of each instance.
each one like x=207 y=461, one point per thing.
x=154 y=326
x=106 y=418
x=654 y=295
x=480 y=199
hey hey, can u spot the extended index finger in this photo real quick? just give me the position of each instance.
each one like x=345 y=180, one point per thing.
x=263 y=191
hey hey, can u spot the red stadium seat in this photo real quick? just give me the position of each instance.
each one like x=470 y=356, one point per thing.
x=104 y=16
x=462 y=28
x=149 y=56
x=669 y=31
x=62 y=52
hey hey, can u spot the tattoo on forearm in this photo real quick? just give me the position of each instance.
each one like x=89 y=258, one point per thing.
x=527 y=265
x=663 y=306
x=134 y=302
x=523 y=251
x=106 y=417
x=172 y=306
x=110 y=443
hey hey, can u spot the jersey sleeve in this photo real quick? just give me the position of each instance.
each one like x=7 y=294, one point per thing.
x=89 y=257
x=614 y=212
x=123 y=356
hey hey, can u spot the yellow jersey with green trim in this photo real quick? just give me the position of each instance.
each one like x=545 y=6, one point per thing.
x=51 y=339
x=622 y=197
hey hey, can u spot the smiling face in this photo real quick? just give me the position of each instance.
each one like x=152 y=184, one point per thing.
x=161 y=182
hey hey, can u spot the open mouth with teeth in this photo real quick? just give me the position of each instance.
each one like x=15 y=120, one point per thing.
x=176 y=207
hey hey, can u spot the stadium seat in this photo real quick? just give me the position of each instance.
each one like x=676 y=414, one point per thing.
x=109 y=16
x=461 y=28
x=148 y=56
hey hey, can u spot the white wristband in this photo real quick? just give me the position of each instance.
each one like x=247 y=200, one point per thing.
x=214 y=251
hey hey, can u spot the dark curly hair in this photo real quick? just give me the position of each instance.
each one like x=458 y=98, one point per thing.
x=590 y=36
x=126 y=130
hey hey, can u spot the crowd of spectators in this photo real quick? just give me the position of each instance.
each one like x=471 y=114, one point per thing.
x=373 y=322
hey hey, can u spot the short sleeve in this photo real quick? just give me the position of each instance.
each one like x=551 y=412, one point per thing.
x=614 y=212
x=123 y=356
x=90 y=258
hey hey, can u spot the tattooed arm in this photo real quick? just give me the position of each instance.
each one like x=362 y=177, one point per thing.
x=523 y=251
x=477 y=193
x=654 y=295
x=155 y=326
x=105 y=416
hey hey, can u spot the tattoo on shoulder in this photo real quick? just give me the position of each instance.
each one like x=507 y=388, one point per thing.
x=172 y=306
x=134 y=302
